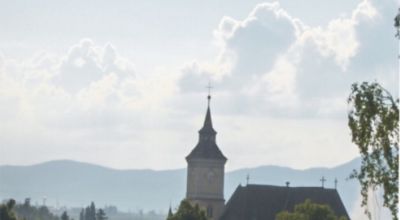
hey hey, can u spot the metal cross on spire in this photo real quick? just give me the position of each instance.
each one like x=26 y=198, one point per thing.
x=336 y=182
x=247 y=179
x=323 y=181
x=209 y=87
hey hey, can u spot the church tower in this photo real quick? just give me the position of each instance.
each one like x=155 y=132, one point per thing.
x=205 y=172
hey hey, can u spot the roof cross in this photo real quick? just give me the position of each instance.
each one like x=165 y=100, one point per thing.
x=209 y=87
x=336 y=182
x=323 y=181
x=247 y=179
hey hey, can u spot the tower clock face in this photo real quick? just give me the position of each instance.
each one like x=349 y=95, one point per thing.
x=210 y=175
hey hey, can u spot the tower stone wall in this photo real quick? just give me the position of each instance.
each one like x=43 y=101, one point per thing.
x=205 y=179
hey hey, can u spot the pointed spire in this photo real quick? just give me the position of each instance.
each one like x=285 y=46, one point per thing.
x=207 y=126
x=207 y=147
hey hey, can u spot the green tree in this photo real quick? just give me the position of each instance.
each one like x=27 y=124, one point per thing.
x=188 y=212
x=64 y=216
x=6 y=210
x=373 y=120
x=26 y=211
x=101 y=215
x=309 y=211
x=82 y=214
x=87 y=213
x=92 y=212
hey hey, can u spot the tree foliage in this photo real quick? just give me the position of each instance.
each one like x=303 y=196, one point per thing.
x=6 y=210
x=373 y=120
x=27 y=211
x=82 y=215
x=187 y=212
x=101 y=215
x=64 y=216
x=90 y=213
x=309 y=211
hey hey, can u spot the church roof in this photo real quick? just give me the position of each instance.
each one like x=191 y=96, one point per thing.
x=263 y=202
x=207 y=147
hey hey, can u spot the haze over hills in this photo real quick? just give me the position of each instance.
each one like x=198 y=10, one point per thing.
x=75 y=184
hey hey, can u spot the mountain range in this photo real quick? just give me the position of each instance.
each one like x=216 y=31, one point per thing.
x=76 y=184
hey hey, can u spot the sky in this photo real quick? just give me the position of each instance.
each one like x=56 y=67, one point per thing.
x=123 y=83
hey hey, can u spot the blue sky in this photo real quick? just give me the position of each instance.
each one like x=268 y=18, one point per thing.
x=122 y=84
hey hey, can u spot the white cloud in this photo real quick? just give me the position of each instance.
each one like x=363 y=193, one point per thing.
x=86 y=62
x=282 y=65
x=193 y=74
x=252 y=38
x=339 y=38
x=280 y=84
x=84 y=101
x=276 y=60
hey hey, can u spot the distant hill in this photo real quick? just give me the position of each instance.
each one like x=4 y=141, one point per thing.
x=75 y=184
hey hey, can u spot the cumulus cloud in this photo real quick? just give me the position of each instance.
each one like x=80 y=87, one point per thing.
x=87 y=77
x=193 y=73
x=284 y=66
x=242 y=41
x=279 y=61
x=89 y=97
x=339 y=39
x=279 y=83
x=86 y=62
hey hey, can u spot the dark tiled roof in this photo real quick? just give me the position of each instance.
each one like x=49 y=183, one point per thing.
x=207 y=147
x=263 y=202
x=206 y=150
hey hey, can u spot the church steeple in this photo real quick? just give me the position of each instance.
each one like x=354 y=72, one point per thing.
x=205 y=172
x=207 y=147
